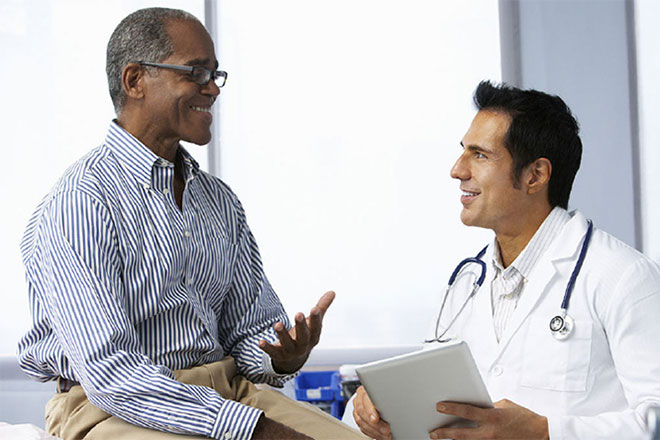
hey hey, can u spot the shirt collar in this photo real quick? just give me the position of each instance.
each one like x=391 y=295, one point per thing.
x=540 y=242
x=138 y=159
x=190 y=164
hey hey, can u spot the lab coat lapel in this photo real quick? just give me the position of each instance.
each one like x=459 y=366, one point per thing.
x=566 y=246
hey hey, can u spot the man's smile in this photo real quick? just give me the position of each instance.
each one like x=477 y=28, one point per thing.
x=201 y=109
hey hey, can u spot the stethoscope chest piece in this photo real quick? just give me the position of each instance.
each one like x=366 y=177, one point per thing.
x=561 y=326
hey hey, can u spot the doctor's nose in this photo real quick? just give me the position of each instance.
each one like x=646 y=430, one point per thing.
x=460 y=170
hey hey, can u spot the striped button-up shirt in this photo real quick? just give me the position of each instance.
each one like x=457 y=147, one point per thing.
x=124 y=288
x=508 y=284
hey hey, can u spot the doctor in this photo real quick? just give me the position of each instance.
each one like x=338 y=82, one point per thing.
x=519 y=159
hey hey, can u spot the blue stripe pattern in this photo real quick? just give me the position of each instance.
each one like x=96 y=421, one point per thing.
x=124 y=288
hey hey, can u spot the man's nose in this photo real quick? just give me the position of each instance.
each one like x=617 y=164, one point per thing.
x=211 y=89
x=460 y=169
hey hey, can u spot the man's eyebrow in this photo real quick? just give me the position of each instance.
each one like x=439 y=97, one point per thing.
x=201 y=62
x=477 y=148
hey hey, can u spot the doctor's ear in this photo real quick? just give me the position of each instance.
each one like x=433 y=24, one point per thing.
x=132 y=79
x=537 y=175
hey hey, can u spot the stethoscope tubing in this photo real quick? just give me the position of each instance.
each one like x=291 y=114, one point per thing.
x=578 y=267
x=561 y=333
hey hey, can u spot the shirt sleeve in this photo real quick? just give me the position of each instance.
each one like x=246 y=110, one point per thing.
x=76 y=273
x=632 y=325
x=250 y=310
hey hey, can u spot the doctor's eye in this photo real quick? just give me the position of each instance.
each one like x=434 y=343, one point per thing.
x=480 y=155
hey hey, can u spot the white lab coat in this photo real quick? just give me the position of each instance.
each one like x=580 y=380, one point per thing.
x=600 y=381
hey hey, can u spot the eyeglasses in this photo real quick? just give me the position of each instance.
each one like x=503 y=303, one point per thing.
x=200 y=75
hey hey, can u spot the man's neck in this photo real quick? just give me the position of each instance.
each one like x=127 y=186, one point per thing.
x=511 y=244
x=161 y=146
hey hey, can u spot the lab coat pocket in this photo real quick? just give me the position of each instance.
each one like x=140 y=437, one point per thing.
x=556 y=365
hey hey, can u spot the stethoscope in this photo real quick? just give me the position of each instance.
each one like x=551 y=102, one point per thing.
x=561 y=325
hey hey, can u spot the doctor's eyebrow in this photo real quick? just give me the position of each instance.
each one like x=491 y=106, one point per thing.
x=476 y=148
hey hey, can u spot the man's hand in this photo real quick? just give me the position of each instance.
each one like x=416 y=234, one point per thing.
x=367 y=418
x=291 y=352
x=506 y=421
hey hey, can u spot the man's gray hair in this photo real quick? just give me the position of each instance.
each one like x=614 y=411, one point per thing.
x=139 y=37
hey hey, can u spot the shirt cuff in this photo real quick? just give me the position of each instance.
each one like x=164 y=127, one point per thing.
x=235 y=421
x=554 y=428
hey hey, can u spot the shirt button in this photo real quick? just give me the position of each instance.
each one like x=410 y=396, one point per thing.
x=187 y=234
x=227 y=435
x=190 y=281
x=166 y=191
x=497 y=370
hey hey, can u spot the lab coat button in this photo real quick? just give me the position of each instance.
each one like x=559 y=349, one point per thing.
x=497 y=370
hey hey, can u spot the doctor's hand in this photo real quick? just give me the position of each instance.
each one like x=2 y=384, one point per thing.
x=507 y=420
x=367 y=418
x=292 y=350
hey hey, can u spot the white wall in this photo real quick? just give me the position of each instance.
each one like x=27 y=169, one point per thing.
x=55 y=108
x=340 y=121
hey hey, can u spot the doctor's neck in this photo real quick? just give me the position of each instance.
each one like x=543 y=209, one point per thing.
x=513 y=239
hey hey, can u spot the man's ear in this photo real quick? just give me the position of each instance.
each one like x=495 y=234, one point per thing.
x=132 y=80
x=537 y=175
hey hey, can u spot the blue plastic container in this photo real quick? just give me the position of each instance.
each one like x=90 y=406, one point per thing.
x=321 y=388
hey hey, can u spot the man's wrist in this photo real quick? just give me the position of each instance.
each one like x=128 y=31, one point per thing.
x=269 y=369
x=289 y=368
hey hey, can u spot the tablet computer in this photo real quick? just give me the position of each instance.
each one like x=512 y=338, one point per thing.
x=405 y=389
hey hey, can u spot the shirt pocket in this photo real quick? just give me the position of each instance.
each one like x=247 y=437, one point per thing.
x=556 y=365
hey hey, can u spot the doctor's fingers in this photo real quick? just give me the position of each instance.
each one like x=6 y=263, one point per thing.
x=364 y=407
x=465 y=411
x=461 y=433
x=367 y=418
x=379 y=431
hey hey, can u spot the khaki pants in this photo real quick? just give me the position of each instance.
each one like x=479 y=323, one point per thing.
x=70 y=415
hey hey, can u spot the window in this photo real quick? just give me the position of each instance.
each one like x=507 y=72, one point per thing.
x=339 y=124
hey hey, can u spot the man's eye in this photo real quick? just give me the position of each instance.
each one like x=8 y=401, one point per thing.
x=480 y=155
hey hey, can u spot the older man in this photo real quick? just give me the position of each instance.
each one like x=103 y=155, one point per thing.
x=566 y=322
x=149 y=301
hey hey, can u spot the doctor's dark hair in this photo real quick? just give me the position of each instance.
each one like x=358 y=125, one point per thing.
x=141 y=36
x=541 y=126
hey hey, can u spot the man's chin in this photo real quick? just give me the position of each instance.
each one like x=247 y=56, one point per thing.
x=199 y=139
x=467 y=219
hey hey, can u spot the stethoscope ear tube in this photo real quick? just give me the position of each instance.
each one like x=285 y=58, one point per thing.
x=456 y=271
x=477 y=284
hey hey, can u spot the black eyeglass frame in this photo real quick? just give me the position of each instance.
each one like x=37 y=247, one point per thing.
x=206 y=74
